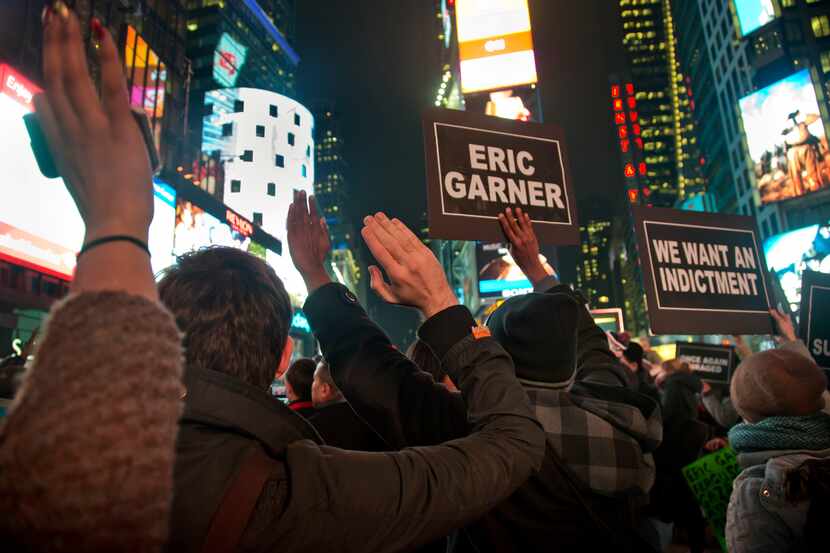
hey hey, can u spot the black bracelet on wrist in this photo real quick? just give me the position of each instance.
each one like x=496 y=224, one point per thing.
x=114 y=238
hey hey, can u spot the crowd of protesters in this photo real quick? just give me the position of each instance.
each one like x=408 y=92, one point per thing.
x=144 y=420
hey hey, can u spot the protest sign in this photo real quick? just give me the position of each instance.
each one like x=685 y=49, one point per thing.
x=479 y=165
x=814 y=316
x=710 y=479
x=711 y=363
x=703 y=272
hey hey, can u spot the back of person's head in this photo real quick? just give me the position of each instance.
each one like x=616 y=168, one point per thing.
x=777 y=383
x=298 y=379
x=539 y=331
x=234 y=312
x=323 y=389
x=673 y=366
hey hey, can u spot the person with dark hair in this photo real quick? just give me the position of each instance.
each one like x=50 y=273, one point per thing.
x=598 y=468
x=299 y=379
x=252 y=474
x=334 y=418
x=781 y=499
x=421 y=354
x=637 y=375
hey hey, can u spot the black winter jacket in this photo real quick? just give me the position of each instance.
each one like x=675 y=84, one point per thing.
x=321 y=498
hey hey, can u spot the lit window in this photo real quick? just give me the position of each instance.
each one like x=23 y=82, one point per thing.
x=236 y=186
x=272 y=189
x=825 y=61
x=260 y=130
x=820 y=25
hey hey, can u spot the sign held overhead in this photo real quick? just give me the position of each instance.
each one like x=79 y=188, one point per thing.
x=710 y=362
x=703 y=272
x=479 y=165
x=814 y=316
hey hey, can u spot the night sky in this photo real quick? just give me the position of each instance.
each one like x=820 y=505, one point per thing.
x=379 y=62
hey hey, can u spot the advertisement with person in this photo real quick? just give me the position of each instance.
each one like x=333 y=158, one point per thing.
x=498 y=274
x=791 y=253
x=786 y=139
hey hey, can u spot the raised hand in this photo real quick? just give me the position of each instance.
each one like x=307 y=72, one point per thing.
x=524 y=246
x=308 y=240
x=416 y=277
x=784 y=324
x=96 y=144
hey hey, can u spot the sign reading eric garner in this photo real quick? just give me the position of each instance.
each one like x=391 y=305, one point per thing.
x=478 y=165
x=703 y=272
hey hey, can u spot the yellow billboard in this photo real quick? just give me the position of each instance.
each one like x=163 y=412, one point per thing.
x=495 y=44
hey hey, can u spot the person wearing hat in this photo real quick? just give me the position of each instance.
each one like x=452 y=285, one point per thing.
x=781 y=499
x=638 y=378
x=598 y=466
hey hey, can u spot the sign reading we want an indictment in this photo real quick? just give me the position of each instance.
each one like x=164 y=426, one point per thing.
x=703 y=272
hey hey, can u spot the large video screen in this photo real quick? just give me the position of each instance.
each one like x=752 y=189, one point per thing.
x=753 y=14
x=498 y=274
x=161 y=229
x=495 y=44
x=228 y=60
x=40 y=227
x=786 y=139
x=791 y=253
x=195 y=228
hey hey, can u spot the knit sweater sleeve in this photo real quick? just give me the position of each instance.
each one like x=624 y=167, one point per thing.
x=86 y=452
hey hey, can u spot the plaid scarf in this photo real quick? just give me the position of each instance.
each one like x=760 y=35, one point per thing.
x=606 y=444
x=810 y=433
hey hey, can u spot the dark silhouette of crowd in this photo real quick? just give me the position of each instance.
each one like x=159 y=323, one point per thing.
x=535 y=431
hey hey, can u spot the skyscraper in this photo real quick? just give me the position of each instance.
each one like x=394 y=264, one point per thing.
x=331 y=190
x=662 y=105
x=594 y=275
x=238 y=43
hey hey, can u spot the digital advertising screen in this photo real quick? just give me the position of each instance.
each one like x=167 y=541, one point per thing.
x=228 y=60
x=789 y=254
x=786 y=139
x=161 y=229
x=753 y=14
x=195 y=228
x=498 y=274
x=148 y=77
x=495 y=44
x=40 y=227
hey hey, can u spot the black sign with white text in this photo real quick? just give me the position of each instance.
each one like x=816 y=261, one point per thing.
x=711 y=363
x=814 y=319
x=703 y=272
x=479 y=165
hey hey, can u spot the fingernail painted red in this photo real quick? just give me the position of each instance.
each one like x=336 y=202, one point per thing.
x=97 y=28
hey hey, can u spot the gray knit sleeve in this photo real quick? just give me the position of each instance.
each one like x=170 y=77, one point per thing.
x=86 y=452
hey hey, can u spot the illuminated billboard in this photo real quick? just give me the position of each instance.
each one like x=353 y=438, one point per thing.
x=228 y=60
x=786 y=139
x=161 y=229
x=753 y=14
x=265 y=141
x=789 y=254
x=498 y=274
x=40 y=227
x=147 y=76
x=495 y=44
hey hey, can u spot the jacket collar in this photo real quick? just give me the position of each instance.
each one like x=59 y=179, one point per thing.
x=220 y=400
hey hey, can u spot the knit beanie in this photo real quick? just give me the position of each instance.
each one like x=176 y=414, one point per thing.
x=777 y=383
x=539 y=331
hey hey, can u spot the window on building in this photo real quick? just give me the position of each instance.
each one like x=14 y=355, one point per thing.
x=291 y=138
x=247 y=155
x=304 y=171
x=812 y=1
x=227 y=129
x=308 y=151
x=787 y=3
x=236 y=186
x=820 y=25
x=279 y=160
x=297 y=119
x=825 y=61
x=238 y=106
x=257 y=218
x=272 y=110
x=260 y=130
x=272 y=189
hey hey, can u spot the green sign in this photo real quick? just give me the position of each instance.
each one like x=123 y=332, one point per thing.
x=710 y=479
